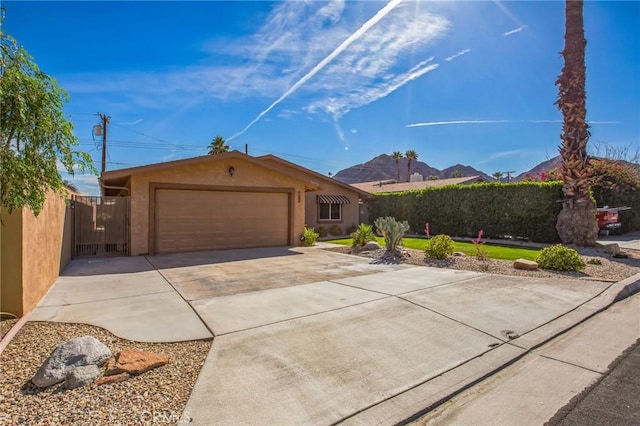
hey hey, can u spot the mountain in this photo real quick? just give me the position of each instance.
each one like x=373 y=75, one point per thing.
x=383 y=167
x=542 y=167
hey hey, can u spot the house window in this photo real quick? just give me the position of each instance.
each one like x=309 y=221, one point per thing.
x=330 y=206
x=330 y=211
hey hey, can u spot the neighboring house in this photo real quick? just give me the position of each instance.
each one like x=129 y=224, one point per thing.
x=393 y=186
x=228 y=200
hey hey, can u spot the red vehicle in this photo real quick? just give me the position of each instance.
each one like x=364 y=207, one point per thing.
x=609 y=219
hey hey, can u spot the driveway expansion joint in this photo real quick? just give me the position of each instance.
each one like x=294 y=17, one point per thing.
x=183 y=298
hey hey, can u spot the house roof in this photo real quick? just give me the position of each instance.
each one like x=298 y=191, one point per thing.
x=379 y=186
x=317 y=177
x=119 y=177
x=312 y=180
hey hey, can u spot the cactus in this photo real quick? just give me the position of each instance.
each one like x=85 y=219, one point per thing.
x=391 y=230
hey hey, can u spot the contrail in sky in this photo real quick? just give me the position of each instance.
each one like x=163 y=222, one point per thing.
x=353 y=37
x=444 y=123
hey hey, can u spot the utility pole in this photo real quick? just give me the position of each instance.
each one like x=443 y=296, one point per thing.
x=105 y=121
x=509 y=175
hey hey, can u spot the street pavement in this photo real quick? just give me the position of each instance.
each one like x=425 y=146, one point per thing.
x=613 y=400
x=536 y=387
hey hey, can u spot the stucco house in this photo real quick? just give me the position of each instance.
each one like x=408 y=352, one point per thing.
x=228 y=200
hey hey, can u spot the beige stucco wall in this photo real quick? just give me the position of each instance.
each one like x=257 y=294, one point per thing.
x=11 y=262
x=350 y=212
x=215 y=173
x=34 y=251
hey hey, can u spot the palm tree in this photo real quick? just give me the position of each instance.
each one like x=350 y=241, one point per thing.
x=397 y=155
x=577 y=220
x=218 y=145
x=411 y=155
x=498 y=176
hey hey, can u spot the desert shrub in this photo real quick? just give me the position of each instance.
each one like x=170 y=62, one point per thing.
x=594 y=261
x=363 y=234
x=560 y=258
x=335 y=230
x=309 y=236
x=322 y=231
x=391 y=230
x=439 y=247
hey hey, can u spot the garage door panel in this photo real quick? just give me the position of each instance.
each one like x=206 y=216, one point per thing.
x=191 y=220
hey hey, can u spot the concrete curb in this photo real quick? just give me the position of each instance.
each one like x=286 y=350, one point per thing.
x=413 y=403
x=13 y=331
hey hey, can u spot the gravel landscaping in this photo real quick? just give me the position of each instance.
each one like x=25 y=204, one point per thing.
x=611 y=269
x=155 y=397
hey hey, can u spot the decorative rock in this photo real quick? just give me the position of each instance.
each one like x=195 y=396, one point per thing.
x=459 y=254
x=612 y=249
x=527 y=265
x=372 y=245
x=105 y=380
x=134 y=362
x=76 y=352
x=81 y=376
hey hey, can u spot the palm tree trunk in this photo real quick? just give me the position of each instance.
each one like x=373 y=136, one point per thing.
x=577 y=221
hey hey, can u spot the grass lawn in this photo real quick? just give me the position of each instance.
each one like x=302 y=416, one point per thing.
x=492 y=251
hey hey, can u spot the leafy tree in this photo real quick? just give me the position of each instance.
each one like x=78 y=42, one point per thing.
x=498 y=176
x=397 y=155
x=456 y=174
x=218 y=146
x=35 y=136
x=576 y=222
x=411 y=156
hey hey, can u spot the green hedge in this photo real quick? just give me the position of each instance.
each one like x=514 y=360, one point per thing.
x=521 y=210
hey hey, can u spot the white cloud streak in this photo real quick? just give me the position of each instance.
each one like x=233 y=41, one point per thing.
x=447 y=123
x=337 y=51
x=517 y=30
x=320 y=51
x=460 y=53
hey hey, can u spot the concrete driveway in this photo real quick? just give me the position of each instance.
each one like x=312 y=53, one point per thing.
x=307 y=336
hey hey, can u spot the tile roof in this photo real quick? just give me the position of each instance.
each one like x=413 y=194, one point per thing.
x=392 y=186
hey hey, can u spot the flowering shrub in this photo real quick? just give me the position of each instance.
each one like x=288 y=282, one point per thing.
x=480 y=254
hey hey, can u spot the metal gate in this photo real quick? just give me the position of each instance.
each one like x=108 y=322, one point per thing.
x=101 y=226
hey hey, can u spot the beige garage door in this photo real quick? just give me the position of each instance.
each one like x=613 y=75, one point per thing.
x=192 y=220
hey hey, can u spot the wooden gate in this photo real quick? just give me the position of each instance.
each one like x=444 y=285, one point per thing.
x=101 y=226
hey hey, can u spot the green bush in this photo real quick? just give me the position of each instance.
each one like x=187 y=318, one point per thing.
x=322 y=231
x=391 y=230
x=560 y=258
x=335 y=230
x=439 y=247
x=363 y=235
x=521 y=210
x=309 y=236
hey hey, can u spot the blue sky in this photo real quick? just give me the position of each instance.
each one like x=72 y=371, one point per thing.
x=331 y=84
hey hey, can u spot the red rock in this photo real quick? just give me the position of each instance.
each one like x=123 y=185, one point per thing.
x=105 y=380
x=134 y=362
x=527 y=265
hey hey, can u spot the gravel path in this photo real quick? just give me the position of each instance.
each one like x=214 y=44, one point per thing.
x=611 y=269
x=156 y=397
